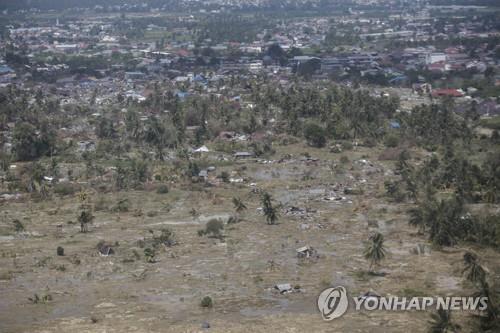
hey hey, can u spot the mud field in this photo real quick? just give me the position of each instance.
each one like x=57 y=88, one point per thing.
x=83 y=291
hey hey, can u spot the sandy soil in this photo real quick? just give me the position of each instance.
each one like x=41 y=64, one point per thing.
x=122 y=293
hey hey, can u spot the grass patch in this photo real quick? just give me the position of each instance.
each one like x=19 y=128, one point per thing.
x=493 y=122
x=410 y=292
x=362 y=275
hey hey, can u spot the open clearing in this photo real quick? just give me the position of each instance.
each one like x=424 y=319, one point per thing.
x=123 y=293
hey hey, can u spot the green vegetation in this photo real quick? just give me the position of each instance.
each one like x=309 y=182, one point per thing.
x=206 y=302
x=493 y=123
x=375 y=250
x=36 y=299
x=18 y=226
x=269 y=209
x=213 y=228
x=85 y=218
x=441 y=322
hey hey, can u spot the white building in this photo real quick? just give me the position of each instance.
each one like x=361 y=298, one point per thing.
x=432 y=58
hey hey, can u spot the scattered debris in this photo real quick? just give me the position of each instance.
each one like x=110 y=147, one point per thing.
x=293 y=210
x=8 y=196
x=334 y=198
x=304 y=226
x=284 y=288
x=353 y=191
x=421 y=249
x=243 y=154
x=306 y=252
x=105 y=250
x=202 y=149
x=300 y=212
x=203 y=174
x=105 y=305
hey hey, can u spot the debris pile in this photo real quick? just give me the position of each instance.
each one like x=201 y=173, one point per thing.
x=303 y=213
x=286 y=288
x=307 y=252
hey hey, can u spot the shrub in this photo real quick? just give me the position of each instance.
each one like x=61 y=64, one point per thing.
x=353 y=191
x=224 y=176
x=346 y=145
x=495 y=136
x=162 y=189
x=492 y=123
x=60 y=251
x=394 y=191
x=344 y=159
x=390 y=154
x=391 y=141
x=207 y=302
x=213 y=228
x=65 y=189
x=37 y=299
x=336 y=149
x=315 y=135
x=167 y=238
x=233 y=220
x=370 y=143
x=152 y=213
x=150 y=254
x=262 y=148
x=18 y=226
x=122 y=206
x=101 y=204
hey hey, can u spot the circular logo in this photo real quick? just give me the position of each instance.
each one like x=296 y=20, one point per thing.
x=333 y=302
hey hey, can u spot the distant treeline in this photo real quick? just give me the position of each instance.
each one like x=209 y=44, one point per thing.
x=494 y=3
x=173 y=5
x=68 y=4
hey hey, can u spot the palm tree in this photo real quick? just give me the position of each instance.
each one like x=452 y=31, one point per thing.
x=239 y=206
x=159 y=135
x=491 y=195
x=270 y=211
x=489 y=320
x=444 y=221
x=441 y=322
x=417 y=219
x=375 y=250
x=473 y=270
x=85 y=218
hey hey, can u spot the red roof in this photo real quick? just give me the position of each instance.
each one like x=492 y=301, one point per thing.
x=447 y=92
x=451 y=50
x=437 y=66
x=183 y=53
